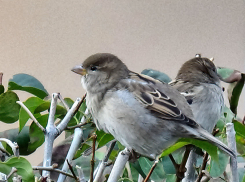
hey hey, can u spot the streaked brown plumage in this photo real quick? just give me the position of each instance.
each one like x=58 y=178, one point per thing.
x=144 y=114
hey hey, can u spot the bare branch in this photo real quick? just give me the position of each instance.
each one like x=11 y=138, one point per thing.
x=231 y=139
x=73 y=148
x=51 y=168
x=31 y=115
x=69 y=115
x=118 y=167
x=104 y=163
x=13 y=170
x=50 y=134
x=63 y=102
x=70 y=167
x=92 y=160
x=14 y=146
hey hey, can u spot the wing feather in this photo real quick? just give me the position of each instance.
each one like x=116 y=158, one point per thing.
x=149 y=92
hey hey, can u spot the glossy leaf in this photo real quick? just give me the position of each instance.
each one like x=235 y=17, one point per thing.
x=158 y=174
x=103 y=138
x=156 y=75
x=31 y=103
x=36 y=134
x=168 y=164
x=217 y=168
x=211 y=149
x=136 y=166
x=9 y=109
x=24 y=168
x=239 y=128
x=173 y=148
x=60 y=110
x=27 y=83
x=21 y=138
x=235 y=94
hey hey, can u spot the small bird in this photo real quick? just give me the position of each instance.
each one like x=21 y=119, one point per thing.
x=143 y=114
x=199 y=82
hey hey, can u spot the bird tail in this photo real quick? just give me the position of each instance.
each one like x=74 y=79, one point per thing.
x=207 y=136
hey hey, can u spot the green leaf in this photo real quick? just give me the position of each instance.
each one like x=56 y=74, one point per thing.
x=80 y=151
x=85 y=164
x=27 y=83
x=174 y=147
x=157 y=75
x=168 y=164
x=1 y=89
x=21 y=138
x=217 y=168
x=236 y=92
x=136 y=165
x=24 y=168
x=103 y=138
x=124 y=180
x=171 y=178
x=239 y=128
x=211 y=149
x=31 y=103
x=158 y=174
x=60 y=110
x=9 y=109
x=36 y=134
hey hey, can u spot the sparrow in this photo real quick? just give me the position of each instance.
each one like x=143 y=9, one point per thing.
x=199 y=82
x=143 y=114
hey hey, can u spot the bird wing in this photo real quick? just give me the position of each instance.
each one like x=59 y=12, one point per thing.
x=188 y=90
x=154 y=96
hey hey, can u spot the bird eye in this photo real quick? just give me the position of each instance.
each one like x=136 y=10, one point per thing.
x=93 y=68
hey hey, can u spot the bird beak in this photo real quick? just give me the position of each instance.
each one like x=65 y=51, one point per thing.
x=211 y=59
x=79 y=70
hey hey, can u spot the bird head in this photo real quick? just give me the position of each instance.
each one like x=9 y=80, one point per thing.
x=101 y=71
x=198 y=69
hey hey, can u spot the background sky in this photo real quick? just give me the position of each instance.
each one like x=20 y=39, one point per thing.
x=47 y=38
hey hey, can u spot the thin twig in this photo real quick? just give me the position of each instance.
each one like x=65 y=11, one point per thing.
x=5 y=151
x=76 y=126
x=180 y=174
x=63 y=102
x=13 y=170
x=204 y=164
x=51 y=168
x=14 y=146
x=205 y=159
x=69 y=115
x=31 y=115
x=92 y=160
x=176 y=166
x=100 y=169
x=71 y=169
x=151 y=171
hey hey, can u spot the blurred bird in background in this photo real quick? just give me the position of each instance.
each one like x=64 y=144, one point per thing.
x=199 y=82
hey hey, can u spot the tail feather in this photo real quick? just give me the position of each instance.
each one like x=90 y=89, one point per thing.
x=207 y=136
